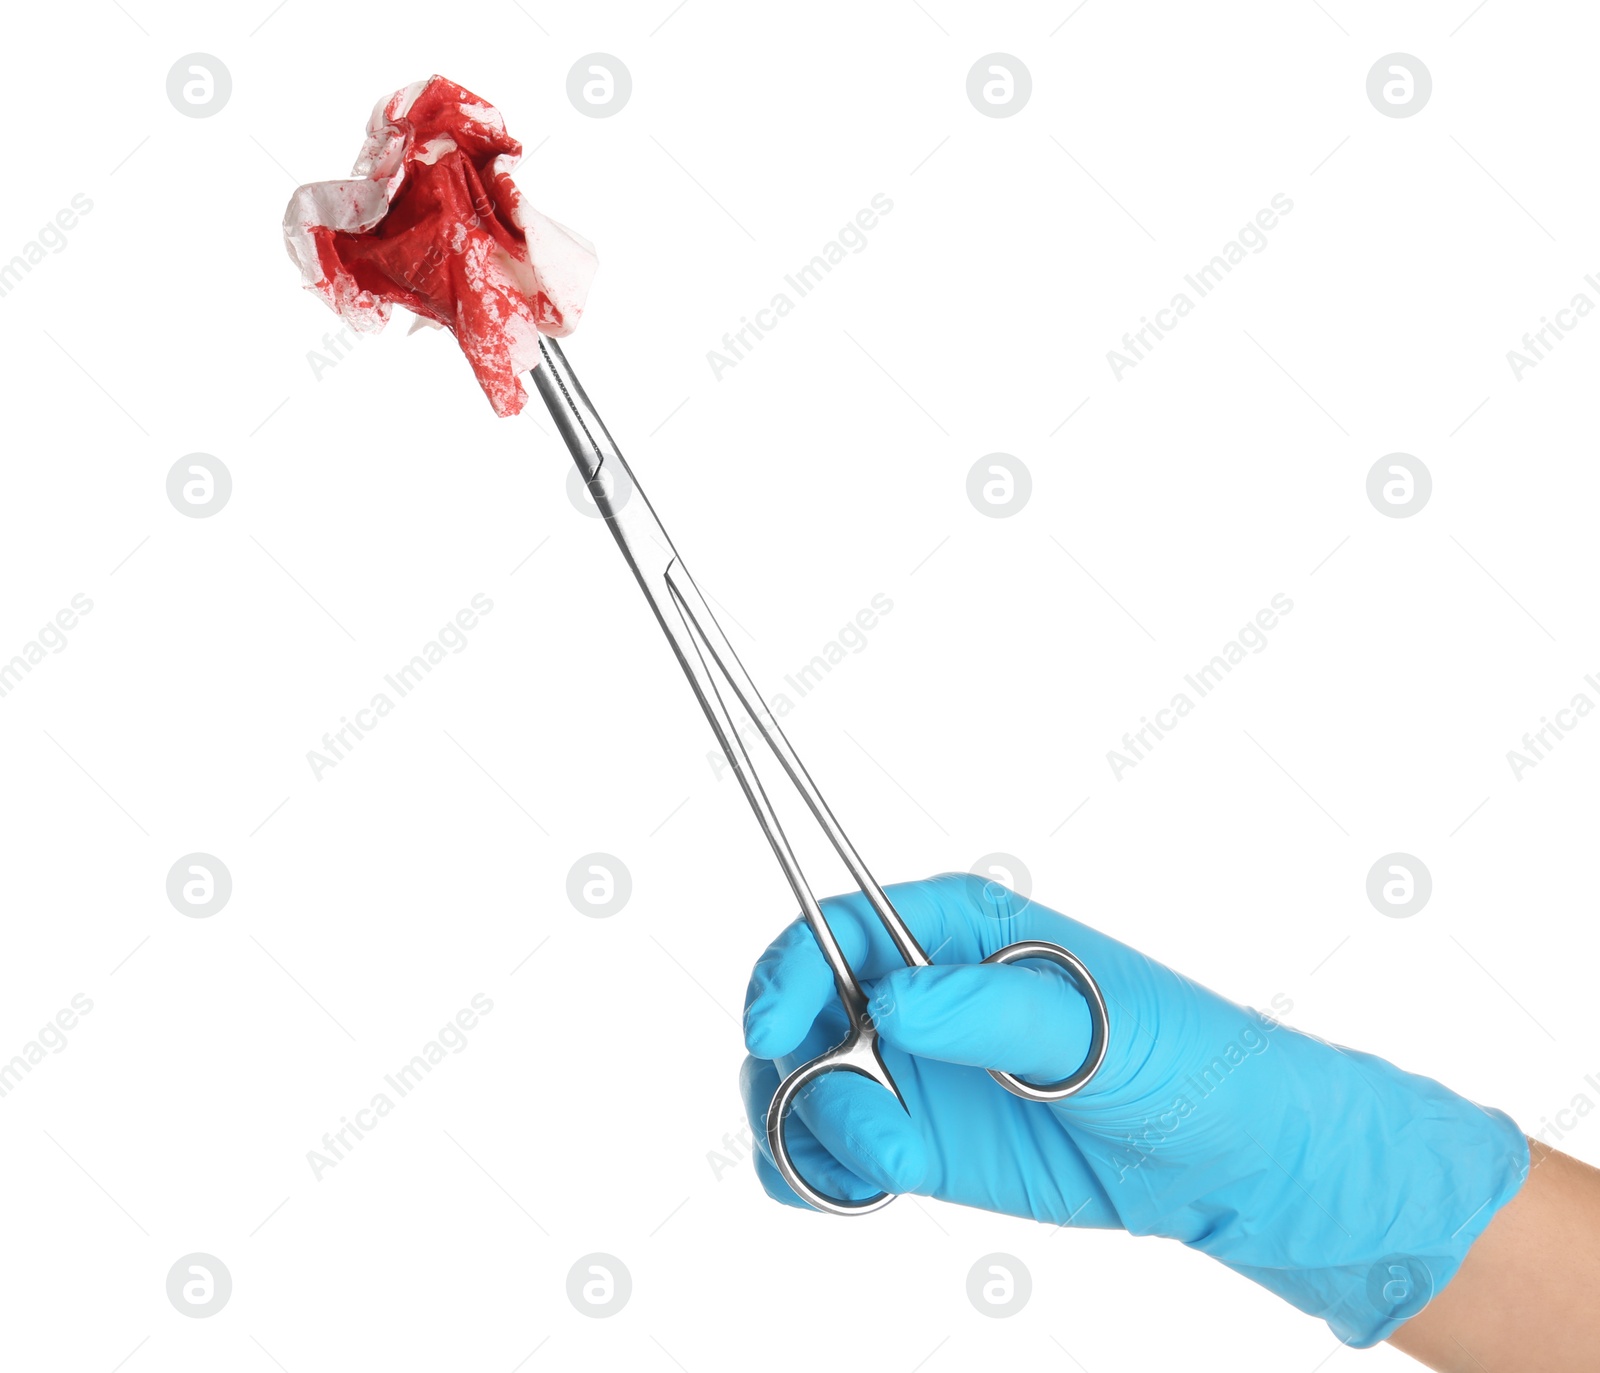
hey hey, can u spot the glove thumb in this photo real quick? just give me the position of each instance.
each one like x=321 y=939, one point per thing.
x=1030 y=1021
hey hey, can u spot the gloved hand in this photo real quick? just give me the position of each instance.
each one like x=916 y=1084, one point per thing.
x=1350 y=1188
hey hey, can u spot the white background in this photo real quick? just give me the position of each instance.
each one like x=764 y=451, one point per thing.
x=371 y=504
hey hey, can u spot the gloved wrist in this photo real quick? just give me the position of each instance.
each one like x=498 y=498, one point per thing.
x=1349 y=1187
x=1354 y=1194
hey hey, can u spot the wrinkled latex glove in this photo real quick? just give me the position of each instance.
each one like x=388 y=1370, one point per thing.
x=1350 y=1188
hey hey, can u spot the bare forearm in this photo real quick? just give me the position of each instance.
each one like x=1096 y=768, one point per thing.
x=1528 y=1295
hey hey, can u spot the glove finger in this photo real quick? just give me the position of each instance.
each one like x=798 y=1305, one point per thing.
x=758 y=1083
x=858 y=1121
x=1027 y=1020
x=862 y=1124
x=791 y=981
x=790 y=986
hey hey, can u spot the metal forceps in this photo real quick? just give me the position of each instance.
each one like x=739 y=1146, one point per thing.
x=705 y=655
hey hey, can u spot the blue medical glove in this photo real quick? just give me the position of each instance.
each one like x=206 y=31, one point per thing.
x=1350 y=1188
